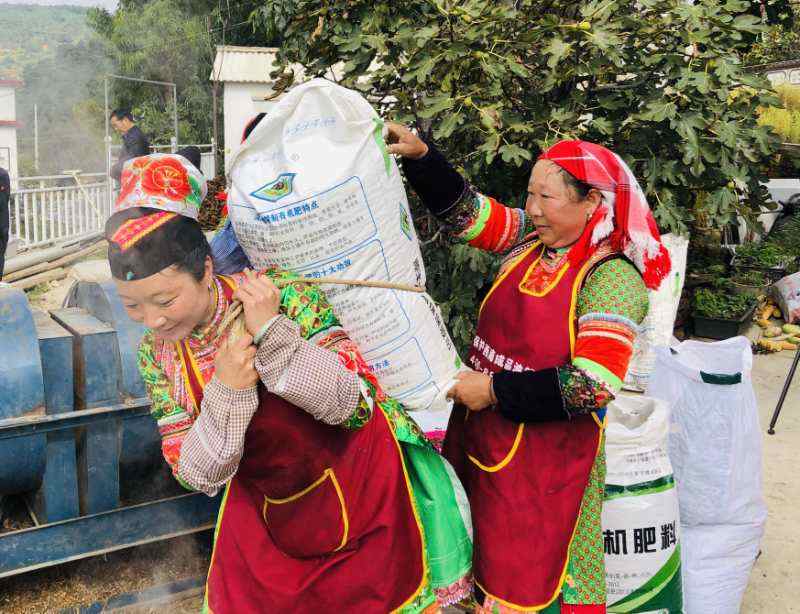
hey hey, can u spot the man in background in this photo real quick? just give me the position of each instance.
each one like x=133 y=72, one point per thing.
x=5 y=194
x=134 y=141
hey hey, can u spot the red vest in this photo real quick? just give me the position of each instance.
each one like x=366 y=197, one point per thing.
x=525 y=482
x=317 y=518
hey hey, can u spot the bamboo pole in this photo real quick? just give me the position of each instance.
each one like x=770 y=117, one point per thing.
x=235 y=310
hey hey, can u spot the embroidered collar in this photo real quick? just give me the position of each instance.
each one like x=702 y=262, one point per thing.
x=204 y=335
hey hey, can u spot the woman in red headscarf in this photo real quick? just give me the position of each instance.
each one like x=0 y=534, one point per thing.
x=555 y=336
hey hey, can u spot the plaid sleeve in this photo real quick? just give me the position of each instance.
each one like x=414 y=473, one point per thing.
x=305 y=374
x=203 y=451
x=307 y=358
x=213 y=447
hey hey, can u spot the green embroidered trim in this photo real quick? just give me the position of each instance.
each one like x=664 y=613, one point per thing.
x=612 y=382
x=483 y=207
x=155 y=382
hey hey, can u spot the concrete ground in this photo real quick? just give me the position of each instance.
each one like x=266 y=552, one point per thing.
x=769 y=591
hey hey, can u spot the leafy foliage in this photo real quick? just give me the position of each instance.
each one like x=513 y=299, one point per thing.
x=721 y=304
x=495 y=82
x=766 y=254
x=751 y=278
x=781 y=41
x=160 y=40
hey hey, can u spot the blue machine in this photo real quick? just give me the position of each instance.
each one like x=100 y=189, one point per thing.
x=76 y=438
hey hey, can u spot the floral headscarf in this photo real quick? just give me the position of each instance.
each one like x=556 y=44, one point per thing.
x=623 y=218
x=168 y=182
x=155 y=223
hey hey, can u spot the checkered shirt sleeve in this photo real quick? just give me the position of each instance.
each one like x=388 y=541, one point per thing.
x=307 y=375
x=212 y=448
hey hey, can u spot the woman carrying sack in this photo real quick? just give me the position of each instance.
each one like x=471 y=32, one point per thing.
x=329 y=484
x=554 y=338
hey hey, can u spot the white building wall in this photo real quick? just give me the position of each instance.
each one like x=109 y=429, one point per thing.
x=8 y=134
x=8 y=105
x=239 y=107
x=8 y=149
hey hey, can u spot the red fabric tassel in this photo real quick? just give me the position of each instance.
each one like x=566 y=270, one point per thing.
x=581 y=250
x=656 y=269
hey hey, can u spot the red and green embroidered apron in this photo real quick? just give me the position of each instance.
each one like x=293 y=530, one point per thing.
x=317 y=518
x=525 y=482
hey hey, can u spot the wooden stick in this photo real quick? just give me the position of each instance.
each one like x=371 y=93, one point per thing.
x=53 y=264
x=30 y=282
x=88 y=198
x=236 y=307
x=389 y=285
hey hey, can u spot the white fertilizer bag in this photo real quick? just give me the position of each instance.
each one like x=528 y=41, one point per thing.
x=715 y=450
x=787 y=293
x=314 y=190
x=656 y=329
x=641 y=529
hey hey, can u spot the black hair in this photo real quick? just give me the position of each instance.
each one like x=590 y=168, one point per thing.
x=251 y=125
x=191 y=153
x=122 y=114
x=580 y=188
x=179 y=242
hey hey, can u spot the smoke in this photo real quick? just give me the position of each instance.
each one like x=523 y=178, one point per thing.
x=61 y=61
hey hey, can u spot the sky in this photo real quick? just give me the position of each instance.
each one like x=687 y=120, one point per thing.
x=108 y=4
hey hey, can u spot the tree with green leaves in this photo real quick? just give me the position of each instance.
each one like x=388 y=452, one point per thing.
x=493 y=83
x=780 y=42
x=161 y=40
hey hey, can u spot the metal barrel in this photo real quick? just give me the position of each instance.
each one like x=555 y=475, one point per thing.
x=22 y=460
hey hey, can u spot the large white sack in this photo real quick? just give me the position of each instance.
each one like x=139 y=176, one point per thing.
x=716 y=561
x=657 y=327
x=313 y=190
x=641 y=529
x=715 y=450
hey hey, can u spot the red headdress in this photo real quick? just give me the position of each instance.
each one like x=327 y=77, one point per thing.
x=623 y=217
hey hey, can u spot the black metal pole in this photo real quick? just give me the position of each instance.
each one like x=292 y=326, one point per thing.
x=785 y=390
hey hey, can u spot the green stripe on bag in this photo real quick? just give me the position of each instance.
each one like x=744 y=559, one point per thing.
x=615 y=491
x=662 y=591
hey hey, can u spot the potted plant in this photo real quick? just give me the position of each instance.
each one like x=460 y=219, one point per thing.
x=718 y=313
x=770 y=257
x=751 y=282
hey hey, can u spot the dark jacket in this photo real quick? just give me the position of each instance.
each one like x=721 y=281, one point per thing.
x=134 y=144
x=5 y=194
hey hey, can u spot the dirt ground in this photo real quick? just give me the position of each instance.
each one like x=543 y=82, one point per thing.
x=85 y=582
x=769 y=590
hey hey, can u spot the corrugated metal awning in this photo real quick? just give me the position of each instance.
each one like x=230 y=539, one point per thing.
x=243 y=64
